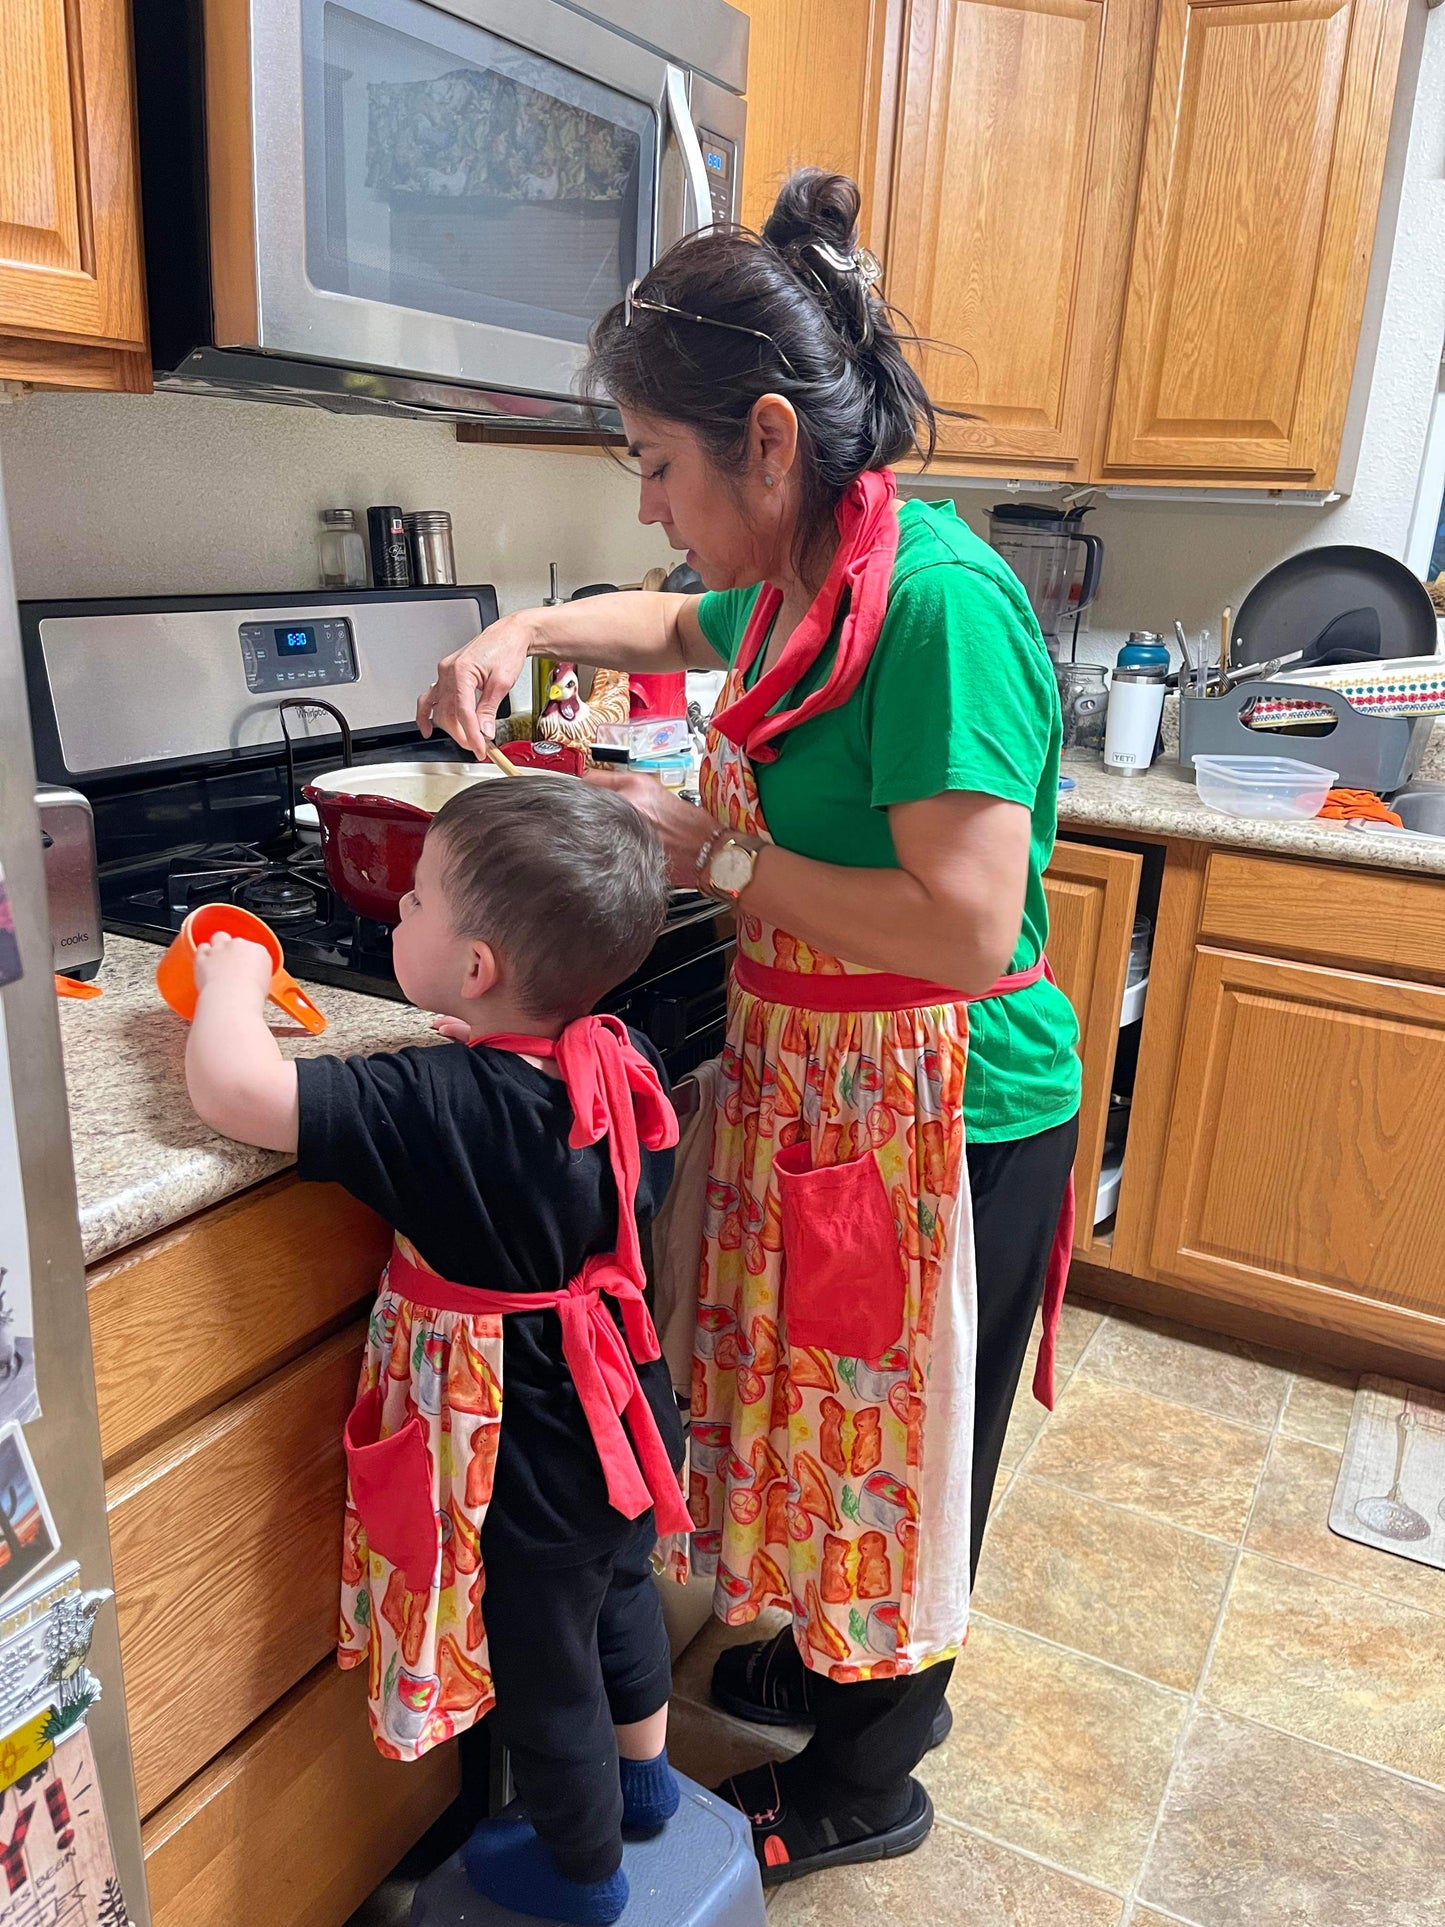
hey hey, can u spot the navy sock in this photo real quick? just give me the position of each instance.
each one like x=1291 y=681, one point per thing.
x=650 y=1795
x=507 y=1862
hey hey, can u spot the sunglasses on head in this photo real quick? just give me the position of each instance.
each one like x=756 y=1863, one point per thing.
x=632 y=301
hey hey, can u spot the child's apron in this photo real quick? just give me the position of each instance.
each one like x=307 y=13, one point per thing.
x=421 y=1442
x=833 y=1374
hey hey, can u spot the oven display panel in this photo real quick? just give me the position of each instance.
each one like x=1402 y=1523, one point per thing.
x=282 y=656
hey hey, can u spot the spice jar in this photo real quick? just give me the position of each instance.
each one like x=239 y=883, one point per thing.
x=341 y=551
x=429 y=541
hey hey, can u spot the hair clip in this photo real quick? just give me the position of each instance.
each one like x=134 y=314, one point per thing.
x=862 y=262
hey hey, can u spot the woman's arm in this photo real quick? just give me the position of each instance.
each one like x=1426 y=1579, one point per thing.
x=950 y=913
x=651 y=634
x=239 y=1082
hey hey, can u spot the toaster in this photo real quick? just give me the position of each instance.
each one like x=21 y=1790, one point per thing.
x=68 y=830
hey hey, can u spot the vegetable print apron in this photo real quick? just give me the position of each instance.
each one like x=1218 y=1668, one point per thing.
x=421 y=1442
x=833 y=1370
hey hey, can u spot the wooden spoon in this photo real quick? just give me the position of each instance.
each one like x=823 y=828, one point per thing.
x=503 y=763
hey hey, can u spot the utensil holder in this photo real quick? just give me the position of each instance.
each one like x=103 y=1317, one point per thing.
x=1371 y=752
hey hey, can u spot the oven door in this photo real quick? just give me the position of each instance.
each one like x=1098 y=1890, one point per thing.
x=453 y=191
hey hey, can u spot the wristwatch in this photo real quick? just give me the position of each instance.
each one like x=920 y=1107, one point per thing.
x=725 y=864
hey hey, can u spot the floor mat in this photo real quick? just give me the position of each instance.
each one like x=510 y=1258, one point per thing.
x=1391 y=1489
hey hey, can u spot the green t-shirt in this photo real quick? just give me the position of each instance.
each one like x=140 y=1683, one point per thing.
x=959 y=695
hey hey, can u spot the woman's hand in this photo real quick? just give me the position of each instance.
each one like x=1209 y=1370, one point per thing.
x=471 y=683
x=684 y=828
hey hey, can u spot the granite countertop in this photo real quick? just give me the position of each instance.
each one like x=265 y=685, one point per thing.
x=143 y=1159
x=1164 y=802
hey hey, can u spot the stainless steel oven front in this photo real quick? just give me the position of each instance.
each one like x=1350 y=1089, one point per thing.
x=447 y=190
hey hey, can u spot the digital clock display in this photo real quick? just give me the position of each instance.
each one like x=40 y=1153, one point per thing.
x=295 y=642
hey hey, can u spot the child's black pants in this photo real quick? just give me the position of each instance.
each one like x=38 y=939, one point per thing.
x=574 y=1651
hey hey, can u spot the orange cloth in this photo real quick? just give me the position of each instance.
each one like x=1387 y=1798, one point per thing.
x=1343 y=804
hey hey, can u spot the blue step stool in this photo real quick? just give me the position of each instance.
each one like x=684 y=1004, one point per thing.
x=700 y=1871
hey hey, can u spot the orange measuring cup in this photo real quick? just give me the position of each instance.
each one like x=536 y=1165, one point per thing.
x=176 y=971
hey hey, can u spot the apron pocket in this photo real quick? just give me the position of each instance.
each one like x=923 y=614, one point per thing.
x=843 y=1278
x=391 y=1488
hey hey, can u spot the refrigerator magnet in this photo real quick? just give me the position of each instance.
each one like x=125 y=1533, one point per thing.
x=10 y=968
x=27 y=1528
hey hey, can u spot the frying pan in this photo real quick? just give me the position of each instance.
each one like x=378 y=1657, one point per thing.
x=1292 y=606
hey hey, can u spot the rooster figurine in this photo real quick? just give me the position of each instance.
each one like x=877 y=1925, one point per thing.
x=570 y=719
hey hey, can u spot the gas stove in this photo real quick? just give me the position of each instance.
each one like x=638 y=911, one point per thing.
x=204 y=826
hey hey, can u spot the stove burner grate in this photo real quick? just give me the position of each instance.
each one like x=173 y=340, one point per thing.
x=278 y=896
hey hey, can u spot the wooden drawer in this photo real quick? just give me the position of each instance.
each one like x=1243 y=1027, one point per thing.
x=187 y=1320
x=297 y=1822
x=1325 y=913
x=226 y=1544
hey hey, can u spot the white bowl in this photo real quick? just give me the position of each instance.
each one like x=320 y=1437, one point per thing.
x=1263 y=786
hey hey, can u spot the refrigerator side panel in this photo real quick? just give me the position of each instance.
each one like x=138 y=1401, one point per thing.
x=65 y=1441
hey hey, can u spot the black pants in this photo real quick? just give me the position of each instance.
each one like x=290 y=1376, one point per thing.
x=871 y=1735
x=575 y=1650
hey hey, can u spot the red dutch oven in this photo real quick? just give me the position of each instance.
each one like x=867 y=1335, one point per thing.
x=375 y=816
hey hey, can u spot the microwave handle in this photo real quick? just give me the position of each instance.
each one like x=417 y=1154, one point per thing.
x=689 y=146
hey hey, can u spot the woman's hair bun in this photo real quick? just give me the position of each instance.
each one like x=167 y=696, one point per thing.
x=814 y=227
x=814 y=205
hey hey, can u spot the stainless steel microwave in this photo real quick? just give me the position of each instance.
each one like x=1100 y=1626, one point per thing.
x=421 y=205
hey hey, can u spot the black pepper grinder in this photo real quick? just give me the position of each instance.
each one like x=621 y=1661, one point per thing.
x=390 y=562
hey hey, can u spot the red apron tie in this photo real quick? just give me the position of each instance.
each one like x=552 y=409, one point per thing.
x=638 y=1474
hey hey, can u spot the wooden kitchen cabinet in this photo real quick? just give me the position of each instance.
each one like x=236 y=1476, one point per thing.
x=1091 y=897
x=1020 y=127
x=72 y=307
x=1286 y=1136
x=822 y=86
x=1301 y=1170
x=1263 y=159
x=298 y=1822
x=227 y=1351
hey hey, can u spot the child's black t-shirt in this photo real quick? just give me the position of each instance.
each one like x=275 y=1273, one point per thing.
x=464 y=1151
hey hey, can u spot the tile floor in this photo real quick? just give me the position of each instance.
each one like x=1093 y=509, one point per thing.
x=1184 y=1700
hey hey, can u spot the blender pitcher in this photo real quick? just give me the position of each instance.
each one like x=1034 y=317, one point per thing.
x=1041 y=545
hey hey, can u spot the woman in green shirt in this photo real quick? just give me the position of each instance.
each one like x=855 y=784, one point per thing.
x=898 y=1096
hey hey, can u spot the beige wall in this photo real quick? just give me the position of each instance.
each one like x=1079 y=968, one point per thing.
x=174 y=494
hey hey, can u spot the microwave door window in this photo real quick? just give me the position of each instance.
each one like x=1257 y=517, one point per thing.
x=453 y=172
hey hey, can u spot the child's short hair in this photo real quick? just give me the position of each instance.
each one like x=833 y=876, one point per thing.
x=567 y=882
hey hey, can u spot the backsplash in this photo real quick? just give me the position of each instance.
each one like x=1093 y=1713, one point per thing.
x=173 y=494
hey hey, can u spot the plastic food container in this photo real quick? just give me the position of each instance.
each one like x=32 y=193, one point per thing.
x=1262 y=786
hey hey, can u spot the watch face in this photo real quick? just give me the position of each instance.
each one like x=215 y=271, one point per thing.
x=732 y=868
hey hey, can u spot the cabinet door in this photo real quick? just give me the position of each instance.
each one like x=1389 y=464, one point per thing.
x=822 y=81
x=1306 y=1141
x=1260 y=185
x=1021 y=122
x=1091 y=895
x=70 y=264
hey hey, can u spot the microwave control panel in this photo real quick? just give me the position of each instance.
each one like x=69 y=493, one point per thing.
x=286 y=657
x=720 y=158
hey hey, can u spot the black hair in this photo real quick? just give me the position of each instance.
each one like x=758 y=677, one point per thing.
x=833 y=347
x=567 y=883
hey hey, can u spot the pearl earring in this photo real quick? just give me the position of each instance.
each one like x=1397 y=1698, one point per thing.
x=767 y=481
